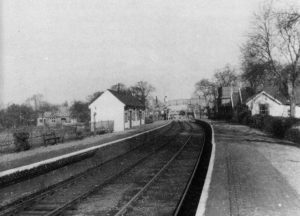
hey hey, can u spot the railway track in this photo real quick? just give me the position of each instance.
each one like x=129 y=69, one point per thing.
x=188 y=204
x=148 y=179
x=154 y=191
x=146 y=139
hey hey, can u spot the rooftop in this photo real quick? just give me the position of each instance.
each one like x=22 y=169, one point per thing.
x=128 y=100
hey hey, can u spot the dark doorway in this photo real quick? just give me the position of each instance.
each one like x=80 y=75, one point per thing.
x=130 y=119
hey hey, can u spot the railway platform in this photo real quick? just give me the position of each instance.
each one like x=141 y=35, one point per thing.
x=140 y=175
x=45 y=167
x=15 y=160
x=253 y=174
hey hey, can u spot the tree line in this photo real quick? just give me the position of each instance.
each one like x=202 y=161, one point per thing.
x=26 y=114
x=141 y=90
x=223 y=77
x=269 y=57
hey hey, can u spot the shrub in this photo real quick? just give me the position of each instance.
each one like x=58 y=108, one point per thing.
x=246 y=119
x=257 y=121
x=244 y=116
x=21 y=141
x=273 y=125
x=293 y=134
x=287 y=123
x=149 y=120
x=277 y=126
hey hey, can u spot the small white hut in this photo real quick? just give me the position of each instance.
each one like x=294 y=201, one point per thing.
x=116 y=110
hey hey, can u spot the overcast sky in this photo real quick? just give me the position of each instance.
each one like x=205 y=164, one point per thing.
x=68 y=49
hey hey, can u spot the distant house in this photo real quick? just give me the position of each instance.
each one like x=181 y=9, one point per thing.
x=228 y=98
x=125 y=111
x=270 y=102
x=61 y=117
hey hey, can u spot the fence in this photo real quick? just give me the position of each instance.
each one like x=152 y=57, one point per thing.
x=102 y=126
x=36 y=135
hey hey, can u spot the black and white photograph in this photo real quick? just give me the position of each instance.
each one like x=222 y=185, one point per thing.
x=150 y=107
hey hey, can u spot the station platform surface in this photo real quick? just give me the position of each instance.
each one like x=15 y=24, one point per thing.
x=253 y=174
x=14 y=160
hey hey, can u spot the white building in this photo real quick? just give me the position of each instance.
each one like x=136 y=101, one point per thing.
x=267 y=104
x=60 y=117
x=117 y=109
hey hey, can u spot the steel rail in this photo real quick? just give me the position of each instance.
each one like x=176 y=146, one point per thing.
x=189 y=202
x=152 y=180
x=60 y=209
x=20 y=204
x=176 y=212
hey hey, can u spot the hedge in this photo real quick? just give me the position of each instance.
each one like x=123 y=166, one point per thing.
x=277 y=126
x=293 y=134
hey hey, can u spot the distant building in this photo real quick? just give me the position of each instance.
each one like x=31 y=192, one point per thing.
x=192 y=105
x=229 y=98
x=271 y=102
x=125 y=111
x=61 y=117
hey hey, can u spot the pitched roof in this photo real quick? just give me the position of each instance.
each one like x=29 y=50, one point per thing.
x=266 y=94
x=92 y=101
x=56 y=114
x=274 y=92
x=128 y=100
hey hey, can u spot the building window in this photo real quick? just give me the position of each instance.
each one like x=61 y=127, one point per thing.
x=126 y=117
x=263 y=109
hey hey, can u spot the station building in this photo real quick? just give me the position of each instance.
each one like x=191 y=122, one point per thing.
x=272 y=103
x=117 y=111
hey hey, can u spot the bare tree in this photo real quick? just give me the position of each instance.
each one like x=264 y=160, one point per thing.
x=142 y=90
x=254 y=70
x=119 y=87
x=206 y=89
x=226 y=76
x=36 y=99
x=275 y=38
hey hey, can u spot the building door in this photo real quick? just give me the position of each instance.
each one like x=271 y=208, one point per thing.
x=130 y=119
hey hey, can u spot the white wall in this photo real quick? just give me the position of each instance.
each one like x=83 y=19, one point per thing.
x=137 y=122
x=297 y=112
x=108 y=108
x=275 y=109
